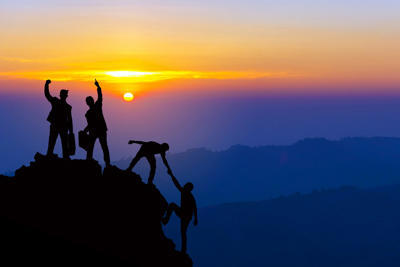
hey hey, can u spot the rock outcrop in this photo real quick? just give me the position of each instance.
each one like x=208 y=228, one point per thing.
x=60 y=212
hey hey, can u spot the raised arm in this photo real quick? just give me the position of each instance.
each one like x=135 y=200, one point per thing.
x=47 y=91
x=136 y=142
x=176 y=183
x=99 y=93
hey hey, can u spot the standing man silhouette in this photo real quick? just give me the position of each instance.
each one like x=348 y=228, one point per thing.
x=149 y=150
x=97 y=126
x=185 y=212
x=60 y=119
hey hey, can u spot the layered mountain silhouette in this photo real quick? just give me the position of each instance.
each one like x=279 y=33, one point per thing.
x=68 y=212
x=244 y=173
x=347 y=227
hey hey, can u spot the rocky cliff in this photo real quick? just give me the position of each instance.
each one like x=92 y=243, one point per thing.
x=58 y=212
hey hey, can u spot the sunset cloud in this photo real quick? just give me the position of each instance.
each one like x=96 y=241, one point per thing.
x=301 y=43
x=125 y=76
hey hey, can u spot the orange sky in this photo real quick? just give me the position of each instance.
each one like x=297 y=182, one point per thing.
x=175 y=44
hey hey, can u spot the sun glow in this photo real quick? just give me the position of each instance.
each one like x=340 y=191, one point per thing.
x=125 y=73
x=128 y=96
x=127 y=76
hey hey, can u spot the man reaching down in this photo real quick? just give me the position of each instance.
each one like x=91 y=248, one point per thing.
x=148 y=150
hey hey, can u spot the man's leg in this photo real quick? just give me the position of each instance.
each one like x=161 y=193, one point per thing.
x=64 y=143
x=152 y=161
x=171 y=207
x=92 y=141
x=184 y=225
x=184 y=222
x=104 y=146
x=134 y=161
x=52 y=140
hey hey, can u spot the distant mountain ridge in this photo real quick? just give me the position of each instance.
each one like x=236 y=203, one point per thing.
x=244 y=173
x=346 y=227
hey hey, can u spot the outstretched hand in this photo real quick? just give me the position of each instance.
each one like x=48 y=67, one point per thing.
x=48 y=82
x=170 y=172
x=96 y=83
x=195 y=222
x=130 y=142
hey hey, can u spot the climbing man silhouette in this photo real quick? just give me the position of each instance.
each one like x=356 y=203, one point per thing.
x=149 y=150
x=97 y=127
x=185 y=212
x=60 y=119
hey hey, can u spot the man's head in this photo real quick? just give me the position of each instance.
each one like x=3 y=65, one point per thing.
x=89 y=101
x=63 y=94
x=188 y=187
x=165 y=147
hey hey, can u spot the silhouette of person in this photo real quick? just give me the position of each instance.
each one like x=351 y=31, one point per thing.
x=60 y=119
x=185 y=212
x=97 y=127
x=149 y=150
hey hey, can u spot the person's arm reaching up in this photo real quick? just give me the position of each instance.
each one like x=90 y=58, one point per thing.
x=99 y=93
x=47 y=91
x=176 y=183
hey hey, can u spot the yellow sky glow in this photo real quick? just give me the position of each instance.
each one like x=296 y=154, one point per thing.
x=127 y=76
x=142 y=44
x=127 y=73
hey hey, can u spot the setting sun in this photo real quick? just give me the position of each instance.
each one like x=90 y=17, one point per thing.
x=128 y=96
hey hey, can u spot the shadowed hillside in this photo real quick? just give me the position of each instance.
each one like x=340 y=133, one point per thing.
x=347 y=227
x=244 y=173
x=68 y=212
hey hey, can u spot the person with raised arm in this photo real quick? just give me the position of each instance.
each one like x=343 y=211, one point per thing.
x=60 y=119
x=185 y=212
x=148 y=150
x=96 y=125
